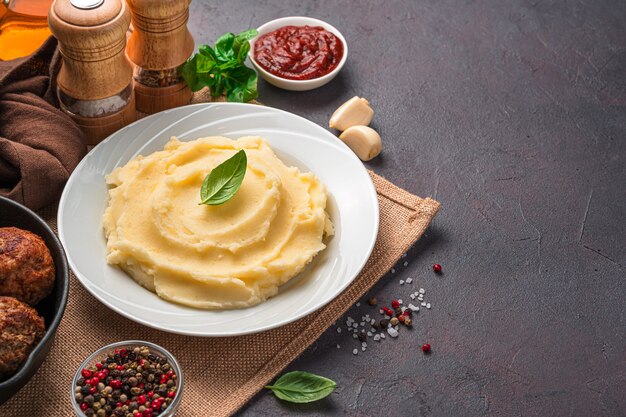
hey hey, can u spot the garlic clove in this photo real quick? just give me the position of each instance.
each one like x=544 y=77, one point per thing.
x=364 y=141
x=356 y=111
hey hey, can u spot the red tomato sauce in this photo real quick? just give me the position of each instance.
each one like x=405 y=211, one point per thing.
x=298 y=52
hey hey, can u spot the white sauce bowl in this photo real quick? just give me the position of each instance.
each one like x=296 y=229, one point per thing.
x=297 y=85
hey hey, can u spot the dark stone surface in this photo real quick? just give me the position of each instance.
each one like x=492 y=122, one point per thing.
x=513 y=115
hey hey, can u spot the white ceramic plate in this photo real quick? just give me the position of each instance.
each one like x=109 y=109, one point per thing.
x=353 y=207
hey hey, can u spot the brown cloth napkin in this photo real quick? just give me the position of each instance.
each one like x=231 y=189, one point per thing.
x=39 y=145
x=221 y=374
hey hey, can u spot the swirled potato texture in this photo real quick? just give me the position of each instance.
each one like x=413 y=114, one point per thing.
x=226 y=256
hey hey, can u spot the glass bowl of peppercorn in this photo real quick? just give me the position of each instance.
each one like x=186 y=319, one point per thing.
x=132 y=378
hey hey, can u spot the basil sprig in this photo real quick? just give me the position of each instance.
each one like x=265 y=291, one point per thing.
x=302 y=387
x=221 y=184
x=223 y=68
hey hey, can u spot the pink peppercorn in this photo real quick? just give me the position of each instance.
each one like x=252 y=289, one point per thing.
x=437 y=268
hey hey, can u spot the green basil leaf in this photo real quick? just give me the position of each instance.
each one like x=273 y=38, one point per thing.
x=241 y=85
x=222 y=68
x=242 y=54
x=241 y=40
x=196 y=71
x=245 y=36
x=224 y=47
x=217 y=86
x=224 y=180
x=302 y=387
x=207 y=51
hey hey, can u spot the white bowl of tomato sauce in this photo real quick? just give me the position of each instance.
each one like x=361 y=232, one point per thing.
x=298 y=53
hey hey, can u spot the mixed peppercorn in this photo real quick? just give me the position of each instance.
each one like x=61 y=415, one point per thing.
x=127 y=383
x=399 y=314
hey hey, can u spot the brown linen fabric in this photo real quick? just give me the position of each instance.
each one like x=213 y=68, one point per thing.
x=221 y=374
x=39 y=145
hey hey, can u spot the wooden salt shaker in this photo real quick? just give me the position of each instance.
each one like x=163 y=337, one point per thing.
x=94 y=84
x=159 y=45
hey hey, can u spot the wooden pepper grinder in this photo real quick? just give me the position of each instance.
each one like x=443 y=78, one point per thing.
x=159 y=45
x=95 y=82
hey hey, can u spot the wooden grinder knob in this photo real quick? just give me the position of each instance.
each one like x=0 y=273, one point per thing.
x=95 y=79
x=159 y=45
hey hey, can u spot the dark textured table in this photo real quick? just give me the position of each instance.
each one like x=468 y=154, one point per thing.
x=513 y=115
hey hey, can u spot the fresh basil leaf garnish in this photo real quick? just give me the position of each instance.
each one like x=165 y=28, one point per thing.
x=302 y=387
x=223 y=182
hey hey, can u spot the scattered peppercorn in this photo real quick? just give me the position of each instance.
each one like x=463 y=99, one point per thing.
x=437 y=268
x=372 y=301
x=401 y=318
x=394 y=321
x=119 y=385
x=408 y=322
x=395 y=304
x=426 y=347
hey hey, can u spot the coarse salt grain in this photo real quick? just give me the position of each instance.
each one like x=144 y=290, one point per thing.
x=413 y=308
x=338 y=346
x=363 y=348
x=401 y=282
x=412 y=296
x=338 y=329
x=409 y=280
x=377 y=337
x=373 y=321
x=392 y=332
x=369 y=334
x=400 y=301
x=358 y=304
x=355 y=351
x=422 y=291
x=354 y=335
x=423 y=304
x=428 y=306
x=393 y=270
x=405 y=263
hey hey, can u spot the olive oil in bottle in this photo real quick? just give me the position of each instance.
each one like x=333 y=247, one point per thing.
x=23 y=27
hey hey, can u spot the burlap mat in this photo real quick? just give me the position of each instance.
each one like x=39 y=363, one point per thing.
x=221 y=374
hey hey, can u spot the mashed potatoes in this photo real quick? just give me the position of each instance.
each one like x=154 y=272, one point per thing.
x=213 y=257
